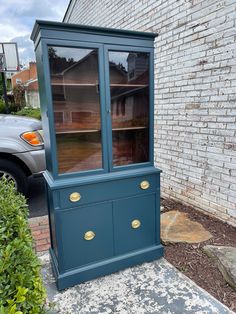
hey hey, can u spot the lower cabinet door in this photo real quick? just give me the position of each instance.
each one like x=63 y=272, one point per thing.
x=86 y=234
x=134 y=223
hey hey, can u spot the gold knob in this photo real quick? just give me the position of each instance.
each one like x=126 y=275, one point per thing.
x=89 y=235
x=135 y=224
x=75 y=197
x=144 y=185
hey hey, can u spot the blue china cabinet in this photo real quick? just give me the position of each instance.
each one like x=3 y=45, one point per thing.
x=96 y=94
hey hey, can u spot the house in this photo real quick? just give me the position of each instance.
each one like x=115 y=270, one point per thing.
x=195 y=92
x=28 y=78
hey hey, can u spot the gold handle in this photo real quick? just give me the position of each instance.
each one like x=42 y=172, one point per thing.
x=135 y=224
x=89 y=235
x=75 y=197
x=144 y=185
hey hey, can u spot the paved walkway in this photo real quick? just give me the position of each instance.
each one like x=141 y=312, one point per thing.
x=155 y=287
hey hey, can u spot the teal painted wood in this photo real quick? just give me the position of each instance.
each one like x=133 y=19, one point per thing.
x=55 y=30
x=44 y=105
x=125 y=211
x=110 y=197
x=107 y=190
x=122 y=48
x=51 y=150
x=105 y=267
x=77 y=251
x=158 y=216
x=73 y=182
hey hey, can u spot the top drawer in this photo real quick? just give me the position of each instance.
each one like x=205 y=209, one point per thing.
x=109 y=190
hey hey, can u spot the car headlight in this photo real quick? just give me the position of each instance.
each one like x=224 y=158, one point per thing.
x=33 y=138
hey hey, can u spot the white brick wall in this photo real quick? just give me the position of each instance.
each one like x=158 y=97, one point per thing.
x=195 y=92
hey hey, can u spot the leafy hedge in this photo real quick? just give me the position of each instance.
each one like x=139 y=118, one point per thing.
x=21 y=288
x=29 y=112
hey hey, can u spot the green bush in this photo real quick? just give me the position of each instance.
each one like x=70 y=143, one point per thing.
x=21 y=287
x=2 y=106
x=29 y=112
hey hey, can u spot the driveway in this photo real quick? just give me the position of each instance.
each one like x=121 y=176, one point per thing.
x=37 y=200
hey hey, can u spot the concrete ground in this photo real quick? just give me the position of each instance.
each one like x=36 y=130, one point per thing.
x=155 y=287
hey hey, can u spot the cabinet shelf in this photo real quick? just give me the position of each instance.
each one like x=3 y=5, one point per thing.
x=73 y=84
x=94 y=131
x=130 y=128
x=76 y=131
x=96 y=84
x=128 y=85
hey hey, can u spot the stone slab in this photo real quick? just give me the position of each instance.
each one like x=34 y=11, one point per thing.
x=225 y=259
x=177 y=227
x=155 y=287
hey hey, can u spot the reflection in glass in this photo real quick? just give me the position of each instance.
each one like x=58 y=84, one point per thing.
x=76 y=104
x=129 y=89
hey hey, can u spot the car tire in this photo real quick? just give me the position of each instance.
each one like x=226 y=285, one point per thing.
x=14 y=172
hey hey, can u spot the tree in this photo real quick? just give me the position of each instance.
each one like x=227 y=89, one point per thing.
x=19 y=95
x=1 y=87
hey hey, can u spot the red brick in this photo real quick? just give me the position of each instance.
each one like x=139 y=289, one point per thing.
x=41 y=248
x=41 y=236
x=33 y=224
x=45 y=230
x=41 y=242
x=43 y=222
x=35 y=232
x=40 y=227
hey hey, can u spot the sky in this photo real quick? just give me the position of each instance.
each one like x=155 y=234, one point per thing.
x=17 y=18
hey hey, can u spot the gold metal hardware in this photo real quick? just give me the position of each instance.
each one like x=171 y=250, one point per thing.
x=135 y=224
x=75 y=197
x=89 y=235
x=144 y=185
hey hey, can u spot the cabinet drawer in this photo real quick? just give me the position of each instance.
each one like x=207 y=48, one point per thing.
x=76 y=229
x=128 y=214
x=109 y=190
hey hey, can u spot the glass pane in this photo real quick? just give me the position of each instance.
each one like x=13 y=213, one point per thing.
x=76 y=104
x=129 y=88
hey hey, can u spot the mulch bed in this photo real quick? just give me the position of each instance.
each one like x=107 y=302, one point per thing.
x=192 y=262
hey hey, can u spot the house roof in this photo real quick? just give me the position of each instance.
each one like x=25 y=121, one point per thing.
x=69 y=9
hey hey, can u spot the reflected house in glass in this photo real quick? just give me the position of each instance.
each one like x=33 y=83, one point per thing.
x=96 y=92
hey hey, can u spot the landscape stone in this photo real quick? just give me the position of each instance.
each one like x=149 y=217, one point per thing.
x=177 y=227
x=225 y=259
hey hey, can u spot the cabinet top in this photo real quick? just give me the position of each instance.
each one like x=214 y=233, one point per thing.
x=94 y=30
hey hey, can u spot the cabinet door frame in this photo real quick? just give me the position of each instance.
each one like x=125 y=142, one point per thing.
x=51 y=148
x=123 y=48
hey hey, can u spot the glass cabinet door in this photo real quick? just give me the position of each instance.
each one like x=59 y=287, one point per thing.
x=129 y=93
x=76 y=106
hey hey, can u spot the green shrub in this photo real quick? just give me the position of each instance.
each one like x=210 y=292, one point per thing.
x=2 y=106
x=21 y=287
x=29 y=112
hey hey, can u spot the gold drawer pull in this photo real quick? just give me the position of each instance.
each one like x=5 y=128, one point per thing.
x=75 y=197
x=135 y=224
x=144 y=185
x=89 y=235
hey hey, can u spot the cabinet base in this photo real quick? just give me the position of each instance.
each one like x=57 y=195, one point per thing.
x=105 y=267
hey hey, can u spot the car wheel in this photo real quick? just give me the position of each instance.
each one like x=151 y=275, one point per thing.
x=12 y=172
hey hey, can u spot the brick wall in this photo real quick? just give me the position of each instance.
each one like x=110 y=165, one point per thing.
x=26 y=75
x=195 y=84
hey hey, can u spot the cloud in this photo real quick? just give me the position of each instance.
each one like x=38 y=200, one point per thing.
x=25 y=49
x=18 y=18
